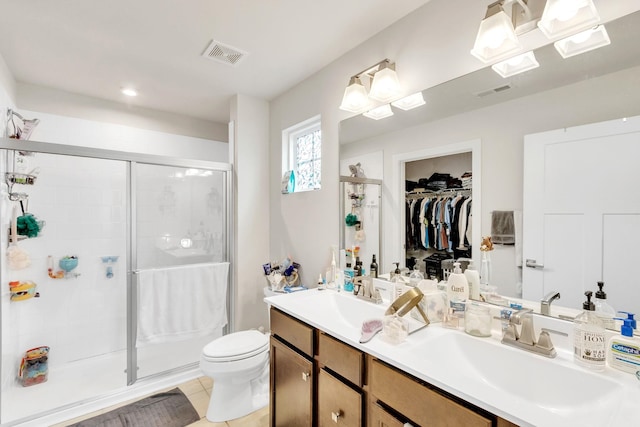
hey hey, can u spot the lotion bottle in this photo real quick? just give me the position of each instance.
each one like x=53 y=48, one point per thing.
x=623 y=351
x=457 y=289
x=589 y=344
x=473 y=278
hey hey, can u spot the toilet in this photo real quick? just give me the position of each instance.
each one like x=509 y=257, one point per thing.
x=238 y=363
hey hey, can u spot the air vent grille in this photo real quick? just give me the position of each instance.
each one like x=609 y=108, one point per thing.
x=492 y=91
x=224 y=53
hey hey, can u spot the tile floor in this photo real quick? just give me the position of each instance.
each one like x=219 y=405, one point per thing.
x=198 y=391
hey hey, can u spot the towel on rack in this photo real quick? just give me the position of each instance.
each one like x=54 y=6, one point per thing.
x=503 y=230
x=179 y=303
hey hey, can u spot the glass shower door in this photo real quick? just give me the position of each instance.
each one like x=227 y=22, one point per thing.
x=180 y=261
x=79 y=313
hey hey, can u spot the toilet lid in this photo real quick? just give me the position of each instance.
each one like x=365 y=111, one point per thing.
x=235 y=346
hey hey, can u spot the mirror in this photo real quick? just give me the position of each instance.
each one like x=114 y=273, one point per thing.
x=596 y=86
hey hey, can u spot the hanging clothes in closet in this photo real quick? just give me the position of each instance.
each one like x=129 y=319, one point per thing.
x=438 y=222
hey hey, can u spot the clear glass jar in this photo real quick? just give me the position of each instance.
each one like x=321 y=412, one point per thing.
x=477 y=320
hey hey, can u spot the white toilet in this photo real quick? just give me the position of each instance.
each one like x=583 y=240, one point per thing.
x=239 y=366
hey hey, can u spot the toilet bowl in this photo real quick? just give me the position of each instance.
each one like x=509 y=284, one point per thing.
x=238 y=363
x=239 y=366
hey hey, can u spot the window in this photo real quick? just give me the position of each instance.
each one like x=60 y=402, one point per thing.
x=302 y=149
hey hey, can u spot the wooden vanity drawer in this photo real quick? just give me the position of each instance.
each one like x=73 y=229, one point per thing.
x=338 y=404
x=381 y=418
x=418 y=402
x=341 y=358
x=293 y=331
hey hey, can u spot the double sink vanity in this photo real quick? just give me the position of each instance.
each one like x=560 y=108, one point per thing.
x=322 y=375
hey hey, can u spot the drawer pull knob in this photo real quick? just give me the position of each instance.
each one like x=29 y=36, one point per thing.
x=305 y=376
x=335 y=416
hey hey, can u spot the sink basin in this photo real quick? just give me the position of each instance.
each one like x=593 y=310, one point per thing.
x=339 y=311
x=554 y=385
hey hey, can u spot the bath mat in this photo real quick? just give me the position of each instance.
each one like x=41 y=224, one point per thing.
x=168 y=409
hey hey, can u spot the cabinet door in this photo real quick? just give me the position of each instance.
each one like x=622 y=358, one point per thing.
x=338 y=403
x=292 y=379
x=381 y=418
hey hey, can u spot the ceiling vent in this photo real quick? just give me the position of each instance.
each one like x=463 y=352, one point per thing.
x=224 y=53
x=492 y=91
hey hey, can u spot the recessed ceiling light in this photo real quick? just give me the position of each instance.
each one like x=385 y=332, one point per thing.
x=129 y=91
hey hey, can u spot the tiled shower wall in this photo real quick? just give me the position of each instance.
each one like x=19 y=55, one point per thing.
x=83 y=203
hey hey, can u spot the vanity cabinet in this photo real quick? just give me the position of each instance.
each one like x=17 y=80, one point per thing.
x=320 y=381
x=292 y=376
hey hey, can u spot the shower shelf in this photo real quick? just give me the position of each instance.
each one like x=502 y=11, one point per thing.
x=20 y=178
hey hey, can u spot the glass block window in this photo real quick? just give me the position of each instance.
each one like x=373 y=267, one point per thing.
x=304 y=148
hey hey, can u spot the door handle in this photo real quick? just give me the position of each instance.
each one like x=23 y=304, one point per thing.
x=335 y=416
x=305 y=376
x=532 y=263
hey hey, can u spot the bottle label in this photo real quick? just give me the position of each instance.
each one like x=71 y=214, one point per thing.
x=625 y=356
x=590 y=346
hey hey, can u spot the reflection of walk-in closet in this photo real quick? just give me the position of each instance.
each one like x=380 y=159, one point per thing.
x=438 y=211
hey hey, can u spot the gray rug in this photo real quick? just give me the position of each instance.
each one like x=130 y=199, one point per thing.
x=168 y=409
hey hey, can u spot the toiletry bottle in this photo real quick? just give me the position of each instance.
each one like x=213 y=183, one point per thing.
x=320 y=283
x=457 y=289
x=333 y=267
x=473 y=278
x=623 y=351
x=589 y=345
x=358 y=267
x=349 y=274
x=398 y=284
x=604 y=311
x=373 y=268
x=415 y=277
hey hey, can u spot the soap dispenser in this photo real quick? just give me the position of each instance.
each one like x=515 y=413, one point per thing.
x=589 y=345
x=604 y=311
x=623 y=351
x=415 y=277
x=398 y=284
x=457 y=288
x=473 y=278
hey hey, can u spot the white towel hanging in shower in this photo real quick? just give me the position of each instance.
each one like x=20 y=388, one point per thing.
x=179 y=303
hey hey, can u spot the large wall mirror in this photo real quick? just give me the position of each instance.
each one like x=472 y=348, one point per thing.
x=594 y=87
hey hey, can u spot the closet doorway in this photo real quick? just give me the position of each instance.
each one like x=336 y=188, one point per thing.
x=436 y=174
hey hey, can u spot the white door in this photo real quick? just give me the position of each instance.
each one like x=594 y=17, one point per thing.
x=582 y=213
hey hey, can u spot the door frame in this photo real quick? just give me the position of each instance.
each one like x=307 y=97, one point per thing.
x=396 y=248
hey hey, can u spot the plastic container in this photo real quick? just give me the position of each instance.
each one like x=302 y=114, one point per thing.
x=34 y=367
x=477 y=320
x=623 y=351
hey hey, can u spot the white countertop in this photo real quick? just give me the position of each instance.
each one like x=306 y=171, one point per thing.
x=545 y=392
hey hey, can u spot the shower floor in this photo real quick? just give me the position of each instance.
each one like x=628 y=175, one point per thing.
x=93 y=377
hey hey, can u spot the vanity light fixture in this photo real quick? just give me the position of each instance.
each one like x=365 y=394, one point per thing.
x=583 y=42
x=562 y=18
x=409 y=102
x=516 y=65
x=129 y=91
x=355 y=97
x=385 y=85
x=382 y=80
x=379 y=112
x=496 y=37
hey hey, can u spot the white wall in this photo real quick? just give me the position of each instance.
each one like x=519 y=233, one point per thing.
x=250 y=146
x=53 y=101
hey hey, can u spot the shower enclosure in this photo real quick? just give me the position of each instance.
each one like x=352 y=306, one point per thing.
x=125 y=247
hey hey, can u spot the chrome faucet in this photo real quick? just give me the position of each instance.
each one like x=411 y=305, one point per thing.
x=545 y=303
x=525 y=339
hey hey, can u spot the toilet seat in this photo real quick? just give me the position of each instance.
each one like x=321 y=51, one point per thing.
x=236 y=346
